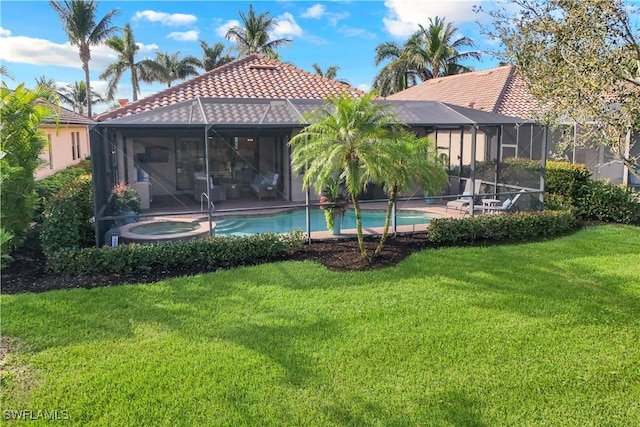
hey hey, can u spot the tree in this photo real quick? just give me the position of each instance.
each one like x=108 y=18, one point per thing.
x=75 y=94
x=4 y=71
x=126 y=48
x=253 y=36
x=21 y=142
x=79 y=20
x=429 y=53
x=580 y=60
x=330 y=73
x=347 y=139
x=410 y=161
x=213 y=56
x=169 y=68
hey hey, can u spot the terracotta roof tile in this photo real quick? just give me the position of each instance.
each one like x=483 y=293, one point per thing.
x=68 y=117
x=254 y=76
x=498 y=90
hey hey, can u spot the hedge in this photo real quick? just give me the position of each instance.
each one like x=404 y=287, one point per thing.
x=568 y=180
x=517 y=226
x=48 y=187
x=219 y=252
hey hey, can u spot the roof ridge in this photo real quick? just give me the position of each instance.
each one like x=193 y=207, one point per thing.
x=505 y=88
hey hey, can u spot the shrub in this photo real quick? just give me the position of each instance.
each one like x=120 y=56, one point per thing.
x=66 y=217
x=216 y=252
x=568 y=180
x=506 y=227
x=604 y=201
x=47 y=187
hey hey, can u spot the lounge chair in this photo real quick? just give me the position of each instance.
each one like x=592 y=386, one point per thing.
x=468 y=193
x=507 y=205
x=265 y=185
x=217 y=192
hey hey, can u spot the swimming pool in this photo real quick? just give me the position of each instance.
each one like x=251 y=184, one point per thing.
x=283 y=222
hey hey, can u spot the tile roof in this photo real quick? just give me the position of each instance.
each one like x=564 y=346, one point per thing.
x=253 y=76
x=498 y=90
x=67 y=117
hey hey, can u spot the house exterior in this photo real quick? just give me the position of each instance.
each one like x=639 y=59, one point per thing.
x=67 y=142
x=218 y=136
x=501 y=90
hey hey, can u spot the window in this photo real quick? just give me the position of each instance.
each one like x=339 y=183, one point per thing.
x=73 y=145
x=78 y=144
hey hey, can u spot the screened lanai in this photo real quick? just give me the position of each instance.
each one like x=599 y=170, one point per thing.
x=210 y=155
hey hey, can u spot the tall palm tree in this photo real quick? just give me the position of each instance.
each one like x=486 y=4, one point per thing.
x=169 y=68
x=75 y=94
x=429 y=53
x=79 y=20
x=126 y=48
x=347 y=138
x=253 y=36
x=398 y=74
x=214 y=56
x=330 y=73
x=435 y=53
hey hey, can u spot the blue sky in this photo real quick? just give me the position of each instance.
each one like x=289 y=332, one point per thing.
x=342 y=33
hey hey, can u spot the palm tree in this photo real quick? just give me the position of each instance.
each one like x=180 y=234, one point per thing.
x=398 y=74
x=330 y=73
x=126 y=48
x=75 y=94
x=348 y=138
x=253 y=35
x=213 y=56
x=4 y=71
x=434 y=52
x=429 y=53
x=79 y=20
x=410 y=161
x=169 y=68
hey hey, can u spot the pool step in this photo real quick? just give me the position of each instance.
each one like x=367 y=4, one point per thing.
x=228 y=226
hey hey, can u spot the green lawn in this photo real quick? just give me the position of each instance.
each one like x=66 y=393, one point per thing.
x=537 y=334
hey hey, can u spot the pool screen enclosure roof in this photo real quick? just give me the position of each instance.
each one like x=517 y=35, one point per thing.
x=253 y=112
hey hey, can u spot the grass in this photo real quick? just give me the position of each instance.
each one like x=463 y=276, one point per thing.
x=544 y=333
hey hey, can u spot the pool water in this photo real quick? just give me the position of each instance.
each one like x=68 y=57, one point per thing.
x=164 y=227
x=281 y=223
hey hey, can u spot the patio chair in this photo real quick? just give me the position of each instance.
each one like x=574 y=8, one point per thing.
x=464 y=201
x=265 y=185
x=507 y=205
x=218 y=192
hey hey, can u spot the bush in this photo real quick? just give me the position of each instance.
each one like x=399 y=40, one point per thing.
x=66 y=217
x=217 y=252
x=506 y=227
x=568 y=180
x=48 y=187
x=604 y=201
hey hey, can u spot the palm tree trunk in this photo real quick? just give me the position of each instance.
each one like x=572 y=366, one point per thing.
x=356 y=209
x=134 y=84
x=87 y=81
x=387 y=219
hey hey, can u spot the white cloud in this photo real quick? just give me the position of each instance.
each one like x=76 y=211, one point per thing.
x=186 y=36
x=366 y=87
x=403 y=16
x=4 y=32
x=356 y=32
x=222 y=29
x=174 y=19
x=29 y=50
x=314 y=12
x=145 y=48
x=287 y=26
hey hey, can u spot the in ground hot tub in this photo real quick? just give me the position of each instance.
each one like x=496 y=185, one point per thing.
x=163 y=230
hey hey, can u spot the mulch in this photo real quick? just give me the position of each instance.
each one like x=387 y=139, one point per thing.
x=27 y=273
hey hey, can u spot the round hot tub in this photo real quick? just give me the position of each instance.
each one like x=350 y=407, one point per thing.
x=163 y=230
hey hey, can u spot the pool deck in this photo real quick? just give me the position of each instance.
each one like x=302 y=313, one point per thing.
x=253 y=208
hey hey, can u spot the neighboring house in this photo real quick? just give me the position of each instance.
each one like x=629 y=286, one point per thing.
x=232 y=125
x=501 y=90
x=67 y=142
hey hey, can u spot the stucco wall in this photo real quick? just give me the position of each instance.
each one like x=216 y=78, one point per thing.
x=59 y=154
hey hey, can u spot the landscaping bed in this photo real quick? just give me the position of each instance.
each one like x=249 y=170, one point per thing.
x=27 y=271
